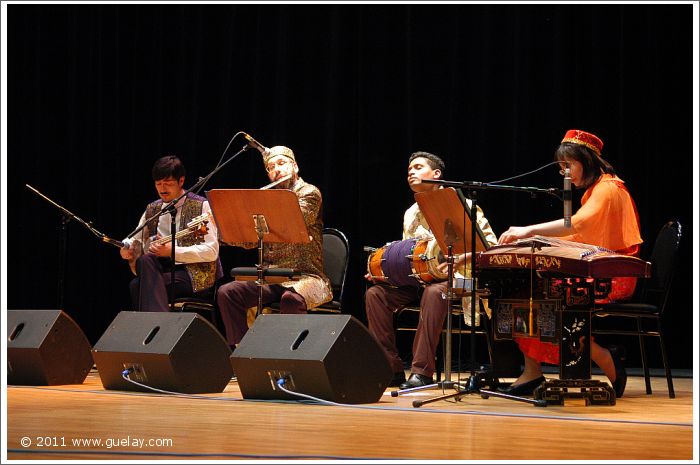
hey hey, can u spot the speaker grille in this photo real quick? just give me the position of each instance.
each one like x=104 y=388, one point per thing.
x=332 y=357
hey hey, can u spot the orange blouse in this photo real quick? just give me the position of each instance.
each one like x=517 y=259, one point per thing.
x=607 y=217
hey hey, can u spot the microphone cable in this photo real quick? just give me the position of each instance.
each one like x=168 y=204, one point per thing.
x=227 y=147
x=525 y=174
x=218 y=164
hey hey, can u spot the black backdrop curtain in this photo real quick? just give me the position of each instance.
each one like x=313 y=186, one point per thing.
x=95 y=93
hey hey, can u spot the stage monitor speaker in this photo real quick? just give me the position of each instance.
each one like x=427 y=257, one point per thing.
x=333 y=357
x=45 y=347
x=177 y=352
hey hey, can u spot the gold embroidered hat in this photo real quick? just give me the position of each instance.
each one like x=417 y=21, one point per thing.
x=576 y=136
x=278 y=150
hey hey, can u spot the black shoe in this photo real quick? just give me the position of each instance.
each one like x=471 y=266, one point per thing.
x=620 y=372
x=620 y=351
x=398 y=379
x=416 y=380
x=523 y=389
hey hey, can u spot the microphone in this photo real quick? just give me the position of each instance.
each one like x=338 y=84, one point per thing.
x=566 y=196
x=254 y=143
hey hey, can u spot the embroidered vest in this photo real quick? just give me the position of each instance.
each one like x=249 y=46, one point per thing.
x=203 y=274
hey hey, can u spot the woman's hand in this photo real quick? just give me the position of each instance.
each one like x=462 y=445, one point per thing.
x=514 y=233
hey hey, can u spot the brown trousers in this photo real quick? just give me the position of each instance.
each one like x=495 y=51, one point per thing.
x=235 y=298
x=381 y=302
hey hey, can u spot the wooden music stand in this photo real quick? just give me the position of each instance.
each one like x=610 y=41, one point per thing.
x=258 y=216
x=446 y=211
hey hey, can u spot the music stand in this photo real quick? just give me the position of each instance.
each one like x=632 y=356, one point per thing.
x=258 y=216
x=451 y=219
x=444 y=210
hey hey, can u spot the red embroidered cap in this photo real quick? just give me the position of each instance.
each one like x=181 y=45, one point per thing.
x=576 y=136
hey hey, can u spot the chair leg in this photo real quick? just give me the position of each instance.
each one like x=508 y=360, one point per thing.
x=643 y=353
x=669 y=379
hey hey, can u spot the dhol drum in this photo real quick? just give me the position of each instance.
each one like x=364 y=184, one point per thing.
x=410 y=262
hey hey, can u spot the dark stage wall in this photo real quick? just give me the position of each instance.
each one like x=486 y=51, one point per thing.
x=97 y=92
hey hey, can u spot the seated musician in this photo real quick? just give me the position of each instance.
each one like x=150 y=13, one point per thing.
x=295 y=296
x=196 y=255
x=607 y=218
x=382 y=301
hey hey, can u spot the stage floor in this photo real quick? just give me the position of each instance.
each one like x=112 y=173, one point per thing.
x=87 y=422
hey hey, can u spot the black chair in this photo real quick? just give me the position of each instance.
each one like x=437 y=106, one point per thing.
x=203 y=302
x=649 y=302
x=460 y=318
x=336 y=255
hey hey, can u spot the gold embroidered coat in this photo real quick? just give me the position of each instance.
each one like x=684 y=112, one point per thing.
x=307 y=258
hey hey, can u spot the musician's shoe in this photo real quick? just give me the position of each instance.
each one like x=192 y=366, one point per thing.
x=398 y=379
x=523 y=389
x=617 y=354
x=416 y=380
x=619 y=350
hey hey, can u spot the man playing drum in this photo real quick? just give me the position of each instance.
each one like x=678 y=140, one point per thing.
x=381 y=301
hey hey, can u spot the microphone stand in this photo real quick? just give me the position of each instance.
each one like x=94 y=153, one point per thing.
x=473 y=385
x=533 y=191
x=170 y=208
x=66 y=216
x=62 y=247
x=171 y=292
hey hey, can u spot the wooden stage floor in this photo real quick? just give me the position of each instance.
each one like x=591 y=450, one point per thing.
x=86 y=422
